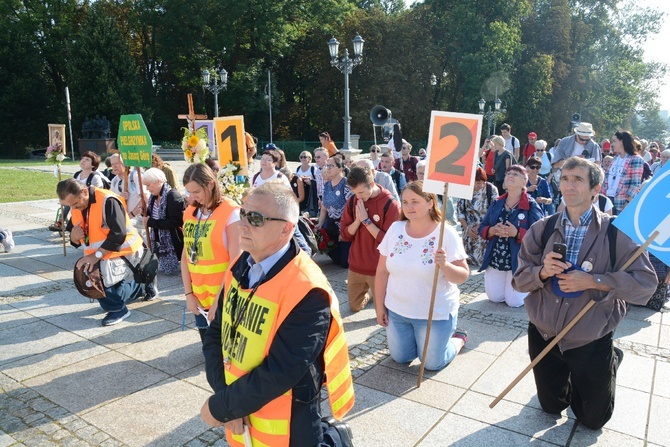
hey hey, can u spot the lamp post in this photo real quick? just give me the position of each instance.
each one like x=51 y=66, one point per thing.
x=215 y=87
x=491 y=115
x=346 y=65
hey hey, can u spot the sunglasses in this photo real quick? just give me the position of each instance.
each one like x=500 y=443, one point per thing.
x=583 y=139
x=304 y=157
x=534 y=168
x=256 y=219
x=539 y=150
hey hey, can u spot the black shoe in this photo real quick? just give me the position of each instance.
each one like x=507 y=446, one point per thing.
x=150 y=296
x=619 y=356
x=341 y=428
x=113 y=318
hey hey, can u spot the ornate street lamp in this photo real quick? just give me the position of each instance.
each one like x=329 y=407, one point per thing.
x=491 y=115
x=215 y=87
x=346 y=66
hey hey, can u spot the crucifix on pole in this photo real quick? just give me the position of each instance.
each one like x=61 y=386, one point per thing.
x=191 y=117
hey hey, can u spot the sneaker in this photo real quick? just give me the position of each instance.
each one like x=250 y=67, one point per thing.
x=8 y=241
x=461 y=334
x=150 y=296
x=113 y=318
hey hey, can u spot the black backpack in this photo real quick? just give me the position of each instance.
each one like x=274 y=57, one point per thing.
x=105 y=181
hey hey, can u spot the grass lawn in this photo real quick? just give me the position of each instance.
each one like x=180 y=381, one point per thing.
x=19 y=185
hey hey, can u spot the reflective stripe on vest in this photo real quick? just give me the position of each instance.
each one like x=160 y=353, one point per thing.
x=271 y=304
x=98 y=230
x=213 y=258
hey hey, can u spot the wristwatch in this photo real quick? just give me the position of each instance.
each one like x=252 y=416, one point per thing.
x=598 y=279
x=367 y=221
x=98 y=254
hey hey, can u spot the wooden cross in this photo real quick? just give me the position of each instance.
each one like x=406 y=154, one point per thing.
x=191 y=117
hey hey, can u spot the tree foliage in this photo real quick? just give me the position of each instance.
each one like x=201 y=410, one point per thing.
x=546 y=59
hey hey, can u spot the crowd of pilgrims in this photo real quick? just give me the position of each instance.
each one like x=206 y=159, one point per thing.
x=391 y=253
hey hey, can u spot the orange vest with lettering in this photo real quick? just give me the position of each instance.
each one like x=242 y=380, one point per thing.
x=271 y=304
x=98 y=231
x=213 y=258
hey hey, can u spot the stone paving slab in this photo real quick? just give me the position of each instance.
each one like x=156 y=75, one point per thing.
x=659 y=433
x=458 y=431
x=86 y=385
x=382 y=420
x=165 y=414
x=518 y=418
x=53 y=359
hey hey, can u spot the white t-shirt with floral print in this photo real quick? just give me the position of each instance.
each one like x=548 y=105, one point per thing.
x=411 y=265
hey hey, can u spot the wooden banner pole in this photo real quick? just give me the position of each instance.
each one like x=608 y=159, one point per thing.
x=144 y=205
x=567 y=328
x=445 y=197
x=62 y=215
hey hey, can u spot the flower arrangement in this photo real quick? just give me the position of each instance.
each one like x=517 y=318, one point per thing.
x=323 y=241
x=233 y=185
x=194 y=145
x=55 y=154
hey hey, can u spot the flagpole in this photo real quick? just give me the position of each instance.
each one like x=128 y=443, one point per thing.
x=69 y=120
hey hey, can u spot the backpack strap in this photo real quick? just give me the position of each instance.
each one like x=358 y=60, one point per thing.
x=602 y=201
x=612 y=232
x=253 y=180
x=311 y=168
x=549 y=228
x=489 y=193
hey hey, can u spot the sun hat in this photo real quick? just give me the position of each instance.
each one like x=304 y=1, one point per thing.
x=584 y=130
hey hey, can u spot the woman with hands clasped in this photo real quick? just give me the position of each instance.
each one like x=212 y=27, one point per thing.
x=404 y=281
x=504 y=226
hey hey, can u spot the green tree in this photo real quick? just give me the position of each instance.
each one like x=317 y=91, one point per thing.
x=104 y=79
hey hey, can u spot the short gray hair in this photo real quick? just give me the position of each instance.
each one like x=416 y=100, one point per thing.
x=365 y=163
x=286 y=202
x=153 y=175
x=540 y=144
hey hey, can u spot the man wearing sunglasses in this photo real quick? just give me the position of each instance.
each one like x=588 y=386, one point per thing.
x=276 y=334
x=580 y=144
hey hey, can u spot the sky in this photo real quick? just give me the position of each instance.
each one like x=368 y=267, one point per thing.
x=654 y=47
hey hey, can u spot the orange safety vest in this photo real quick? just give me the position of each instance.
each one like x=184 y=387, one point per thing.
x=213 y=258
x=271 y=304
x=98 y=230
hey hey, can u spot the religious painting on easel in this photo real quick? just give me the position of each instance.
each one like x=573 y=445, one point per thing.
x=208 y=126
x=57 y=148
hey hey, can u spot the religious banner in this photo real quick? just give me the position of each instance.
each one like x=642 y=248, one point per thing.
x=134 y=141
x=231 y=142
x=57 y=140
x=452 y=153
x=208 y=125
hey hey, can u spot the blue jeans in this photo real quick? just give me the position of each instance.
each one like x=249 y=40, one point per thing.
x=406 y=337
x=117 y=295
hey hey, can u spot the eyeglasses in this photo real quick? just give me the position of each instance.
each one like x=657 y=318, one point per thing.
x=583 y=139
x=376 y=152
x=534 y=168
x=256 y=219
x=328 y=166
x=304 y=157
x=539 y=150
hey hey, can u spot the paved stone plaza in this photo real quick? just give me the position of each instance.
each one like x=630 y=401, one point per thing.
x=67 y=381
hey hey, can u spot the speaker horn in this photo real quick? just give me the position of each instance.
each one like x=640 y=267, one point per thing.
x=380 y=115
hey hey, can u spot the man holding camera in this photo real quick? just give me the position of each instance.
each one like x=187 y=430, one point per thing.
x=580 y=371
x=101 y=224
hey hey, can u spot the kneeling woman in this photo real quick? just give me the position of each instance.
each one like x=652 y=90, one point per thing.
x=404 y=281
x=211 y=241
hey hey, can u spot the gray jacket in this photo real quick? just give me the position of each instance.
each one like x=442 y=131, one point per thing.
x=567 y=145
x=385 y=181
x=550 y=313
